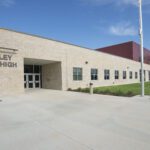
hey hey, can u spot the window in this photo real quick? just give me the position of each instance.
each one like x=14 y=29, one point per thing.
x=28 y=69
x=37 y=69
x=136 y=75
x=124 y=74
x=116 y=74
x=140 y=73
x=94 y=74
x=130 y=74
x=77 y=74
x=106 y=74
x=32 y=69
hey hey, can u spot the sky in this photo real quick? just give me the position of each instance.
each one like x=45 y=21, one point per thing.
x=88 y=23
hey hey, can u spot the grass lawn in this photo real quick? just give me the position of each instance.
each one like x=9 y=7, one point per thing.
x=120 y=90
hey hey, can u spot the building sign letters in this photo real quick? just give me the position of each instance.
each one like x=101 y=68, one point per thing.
x=6 y=61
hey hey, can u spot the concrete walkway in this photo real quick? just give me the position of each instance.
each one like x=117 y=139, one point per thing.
x=56 y=120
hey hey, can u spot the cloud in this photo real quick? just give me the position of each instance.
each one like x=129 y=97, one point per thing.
x=123 y=29
x=7 y=3
x=115 y=2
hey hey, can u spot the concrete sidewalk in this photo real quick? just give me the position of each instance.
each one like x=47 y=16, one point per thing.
x=57 y=120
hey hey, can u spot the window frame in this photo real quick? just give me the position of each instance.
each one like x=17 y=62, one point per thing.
x=130 y=75
x=136 y=75
x=140 y=74
x=94 y=74
x=149 y=75
x=124 y=73
x=116 y=74
x=106 y=74
x=77 y=74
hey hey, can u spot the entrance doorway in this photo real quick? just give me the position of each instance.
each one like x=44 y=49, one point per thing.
x=32 y=76
x=39 y=73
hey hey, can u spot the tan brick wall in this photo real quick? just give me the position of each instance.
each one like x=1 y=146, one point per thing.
x=69 y=55
x=51 y=76
x=11 y=78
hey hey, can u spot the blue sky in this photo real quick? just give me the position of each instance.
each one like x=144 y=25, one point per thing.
x=88 y=23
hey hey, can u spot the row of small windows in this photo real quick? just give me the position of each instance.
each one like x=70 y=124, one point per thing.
x=77 y=74
x=116 y=75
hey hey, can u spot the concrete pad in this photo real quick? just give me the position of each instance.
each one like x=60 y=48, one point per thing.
x=58 y=120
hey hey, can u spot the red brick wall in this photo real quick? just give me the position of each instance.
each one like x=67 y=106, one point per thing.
x=130 y=50
x=137 y=53
x=122 y=50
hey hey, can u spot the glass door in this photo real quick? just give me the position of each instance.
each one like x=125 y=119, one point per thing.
x=32 y=81
x=37 y=81
x=25 y=81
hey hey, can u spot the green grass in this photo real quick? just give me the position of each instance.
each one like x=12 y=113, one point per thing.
x=119 y=90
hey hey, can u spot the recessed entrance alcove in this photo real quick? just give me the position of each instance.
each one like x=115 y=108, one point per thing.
x=44 y=74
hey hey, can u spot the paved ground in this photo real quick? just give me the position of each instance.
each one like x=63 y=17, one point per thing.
x=55 y=120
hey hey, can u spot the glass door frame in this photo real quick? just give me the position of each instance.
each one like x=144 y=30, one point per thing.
x=33 y=82
x=37 y=81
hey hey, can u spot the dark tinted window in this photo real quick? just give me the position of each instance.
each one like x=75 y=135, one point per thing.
x=116 y=74
x=106 y=74
x=28 y=69
x=124 y=75
x=94 y=74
